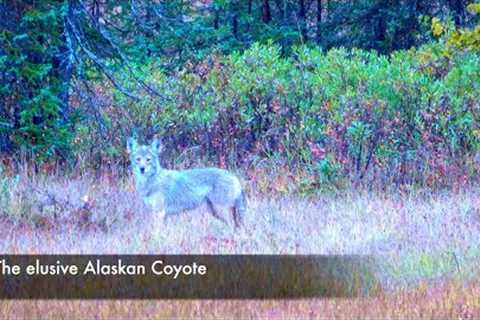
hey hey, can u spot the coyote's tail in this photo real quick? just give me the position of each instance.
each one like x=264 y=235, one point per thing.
x=240 y=207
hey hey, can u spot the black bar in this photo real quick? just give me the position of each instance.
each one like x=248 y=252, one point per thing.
x=194 y=277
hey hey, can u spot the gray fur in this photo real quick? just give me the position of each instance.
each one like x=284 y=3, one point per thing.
x=172 y=191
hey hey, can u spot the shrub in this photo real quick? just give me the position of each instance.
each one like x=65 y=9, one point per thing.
x=411 y=117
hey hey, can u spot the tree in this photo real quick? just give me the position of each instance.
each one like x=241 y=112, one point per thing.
x=46 y=45
x=36 y=69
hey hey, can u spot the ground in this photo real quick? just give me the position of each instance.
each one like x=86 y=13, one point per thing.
x=427 y=241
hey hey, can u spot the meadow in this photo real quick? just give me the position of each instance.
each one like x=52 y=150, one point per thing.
x=425 y=240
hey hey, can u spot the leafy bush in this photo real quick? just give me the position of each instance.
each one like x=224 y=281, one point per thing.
x=411 y=117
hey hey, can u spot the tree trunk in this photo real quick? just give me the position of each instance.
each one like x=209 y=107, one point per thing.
x=216 y=19
x=235 y=11
x=302 y=15
x=319 y=21
x=379 y=30
x=235 y=25
x=62 y=64
x=458 y=7
x=266 y=15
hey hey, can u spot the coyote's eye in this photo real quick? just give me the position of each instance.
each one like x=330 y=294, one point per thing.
x=139 y=159
x=149 y=159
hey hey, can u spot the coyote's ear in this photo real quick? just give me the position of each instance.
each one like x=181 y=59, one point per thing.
x=131 y=145
x=156 y=145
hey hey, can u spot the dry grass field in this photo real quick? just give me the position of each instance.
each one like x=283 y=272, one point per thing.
x=443 y=301
x=428 y=241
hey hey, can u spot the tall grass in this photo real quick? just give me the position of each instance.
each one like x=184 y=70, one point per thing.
x=425 y=240
x=426 y=234
x=450 y=300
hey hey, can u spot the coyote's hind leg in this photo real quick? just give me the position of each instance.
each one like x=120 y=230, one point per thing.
x=236 y=217
x=215 y=212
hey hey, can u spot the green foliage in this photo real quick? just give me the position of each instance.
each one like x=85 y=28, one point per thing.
x=33 y=113
x=466 y=39
x=179 y=31
x=339 y=113
x=245 y=80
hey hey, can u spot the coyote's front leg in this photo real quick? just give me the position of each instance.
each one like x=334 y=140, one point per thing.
x=157 y=214
x=158 y=223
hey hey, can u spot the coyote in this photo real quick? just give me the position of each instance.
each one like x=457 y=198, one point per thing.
x=170 y=191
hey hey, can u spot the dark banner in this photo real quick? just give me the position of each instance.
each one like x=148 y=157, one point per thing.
x=185 y=276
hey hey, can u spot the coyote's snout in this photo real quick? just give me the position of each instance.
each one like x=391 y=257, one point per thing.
x=172 y=191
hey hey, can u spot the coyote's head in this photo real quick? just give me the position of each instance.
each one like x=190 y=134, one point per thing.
x=144 y=158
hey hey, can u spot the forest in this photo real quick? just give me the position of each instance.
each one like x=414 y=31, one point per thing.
x=334 y=91
x=354 y=127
